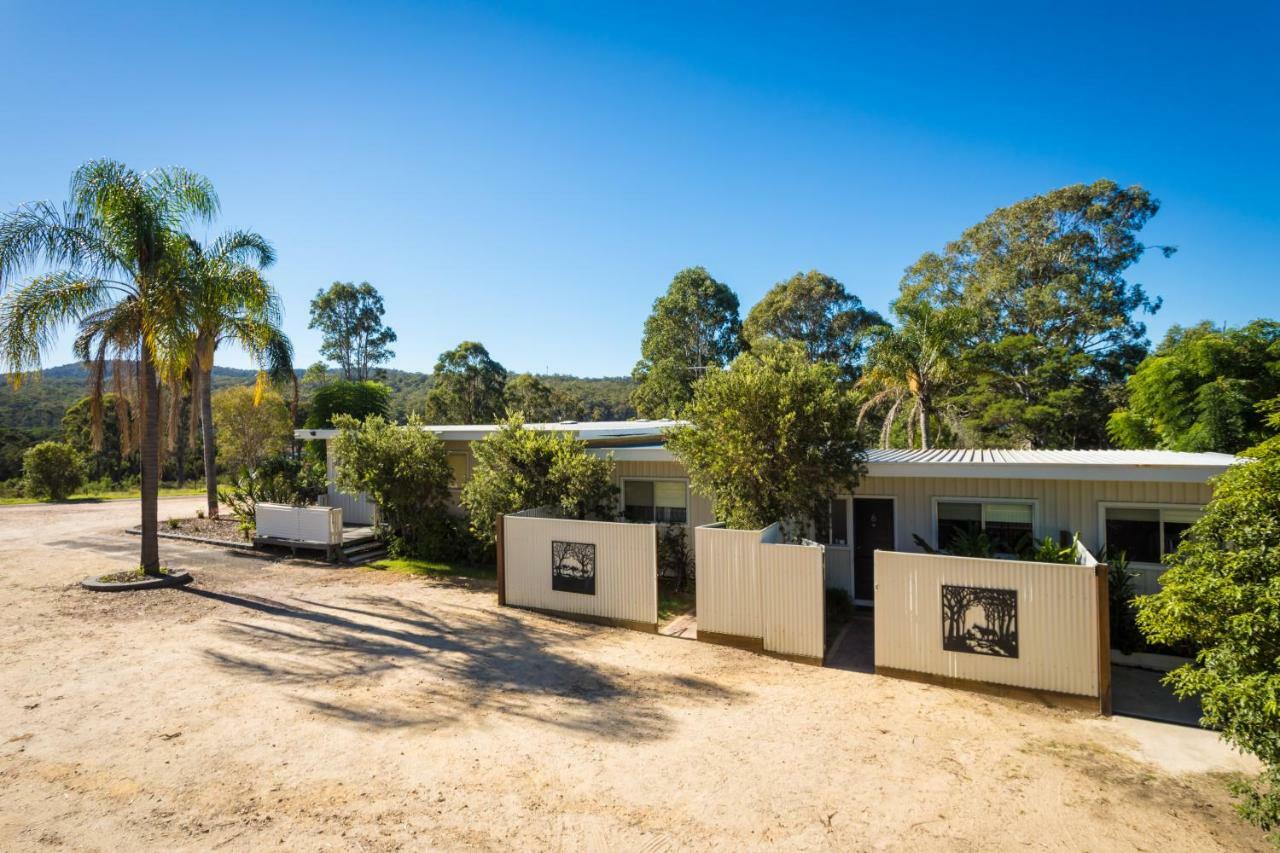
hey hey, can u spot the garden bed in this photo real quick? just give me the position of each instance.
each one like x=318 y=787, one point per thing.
x=212 y=531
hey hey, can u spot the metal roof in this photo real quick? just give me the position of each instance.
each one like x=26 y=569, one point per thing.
x=1149 y=465
x=582 y=429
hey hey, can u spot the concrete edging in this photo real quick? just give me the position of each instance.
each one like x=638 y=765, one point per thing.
x=203 y=540
x=157 y=582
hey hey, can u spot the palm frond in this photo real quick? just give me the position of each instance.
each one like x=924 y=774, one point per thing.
x=40 y=233
x=31 y=317
x=182 y=195
x=243 y=247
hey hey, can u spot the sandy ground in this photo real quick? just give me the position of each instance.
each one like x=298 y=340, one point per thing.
x=290 y=706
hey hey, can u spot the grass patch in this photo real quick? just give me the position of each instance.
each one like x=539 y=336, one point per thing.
x=116 y=495
x=672 y=604
x=430 y=569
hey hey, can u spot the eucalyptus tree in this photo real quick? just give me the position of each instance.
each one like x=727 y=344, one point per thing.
x=693 y=328
x=817 y=311
x=111 y=260
x=232 y=302
x=1060 y=330
x=911 y=366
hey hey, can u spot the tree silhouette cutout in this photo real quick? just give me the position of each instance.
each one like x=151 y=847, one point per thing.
x=573 y=567
x=981 y=621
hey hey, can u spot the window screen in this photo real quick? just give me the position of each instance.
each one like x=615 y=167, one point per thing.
x=637 y=500
x=1007 y=525
x=955 y=518
x=669 y=502
x=1136 y=532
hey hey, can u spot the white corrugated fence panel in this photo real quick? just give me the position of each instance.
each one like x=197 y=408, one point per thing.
x=728 y=587
x=1057 y=620
x=626 y=580
x=792 y=600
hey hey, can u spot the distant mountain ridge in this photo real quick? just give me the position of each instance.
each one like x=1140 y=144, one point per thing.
x=40 y=403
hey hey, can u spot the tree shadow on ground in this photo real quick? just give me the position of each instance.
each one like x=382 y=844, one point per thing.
x=385 y=663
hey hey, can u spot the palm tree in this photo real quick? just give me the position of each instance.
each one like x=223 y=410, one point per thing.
x=116 y=251
x=909 y=366
x=232 y=302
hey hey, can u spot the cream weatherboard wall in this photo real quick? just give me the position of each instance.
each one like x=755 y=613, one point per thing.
x=1058 y=628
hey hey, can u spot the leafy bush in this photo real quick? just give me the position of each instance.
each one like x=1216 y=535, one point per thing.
x=1222 y=594
x=773 y=438
x=1124 y=625
x=518 y=469
x=52 y=470
x=1048 y=550
x=279 y=479
x=673 y=554
x=359 y=400
x=404 y=469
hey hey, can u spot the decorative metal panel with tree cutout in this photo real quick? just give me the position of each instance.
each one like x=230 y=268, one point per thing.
x=573 y=567
x=980 y=621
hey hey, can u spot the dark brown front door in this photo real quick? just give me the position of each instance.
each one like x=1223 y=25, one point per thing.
x=872 y=531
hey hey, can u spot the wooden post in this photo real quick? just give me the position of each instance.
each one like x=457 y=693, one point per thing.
x=1104 y=639
x=502 y=564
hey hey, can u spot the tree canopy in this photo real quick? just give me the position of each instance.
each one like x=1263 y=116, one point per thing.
x=349 y=317
x=693 y=328
x=1057 y=332
x=252 y=425
x=517 y=469
x=468 y=387
x=772 y=438
x=537 y=402
x=1201 y=389
x=815 y=310
x=358 y=399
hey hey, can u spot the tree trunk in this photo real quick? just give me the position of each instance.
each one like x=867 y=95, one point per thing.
x=150 y=463
x=924 y=424
x=210 y=449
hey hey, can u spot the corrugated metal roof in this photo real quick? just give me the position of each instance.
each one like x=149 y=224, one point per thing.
x=1047 y=457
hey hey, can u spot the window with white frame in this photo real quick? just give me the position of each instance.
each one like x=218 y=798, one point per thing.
x=1005 y=523
x=1146 y=533
x=665 y=501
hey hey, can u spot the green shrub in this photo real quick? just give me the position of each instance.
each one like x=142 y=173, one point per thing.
x=518 y=469
x=52 y=470
x=279 y=479
x=360 y=400
x=673 y=555
x=404 y=469
x=1221 y=594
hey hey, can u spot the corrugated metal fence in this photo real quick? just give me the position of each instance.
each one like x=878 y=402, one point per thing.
x=752 y=587
x=624 y=571
x=1060 y=621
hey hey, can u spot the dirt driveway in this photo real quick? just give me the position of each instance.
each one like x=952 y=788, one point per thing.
x=298 y=707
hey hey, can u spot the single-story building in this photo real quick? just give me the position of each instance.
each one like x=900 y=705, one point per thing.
x=1139 y=501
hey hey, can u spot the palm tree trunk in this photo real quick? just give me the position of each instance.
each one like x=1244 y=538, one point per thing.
x=924 y=423
x=150 y=463
x=206 y=435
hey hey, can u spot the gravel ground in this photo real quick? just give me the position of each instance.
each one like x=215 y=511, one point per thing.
x=302 y=706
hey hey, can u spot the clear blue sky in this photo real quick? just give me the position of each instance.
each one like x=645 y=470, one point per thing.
x=531 y=176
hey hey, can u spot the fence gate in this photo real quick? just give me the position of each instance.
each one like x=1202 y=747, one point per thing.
x=755 y=592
